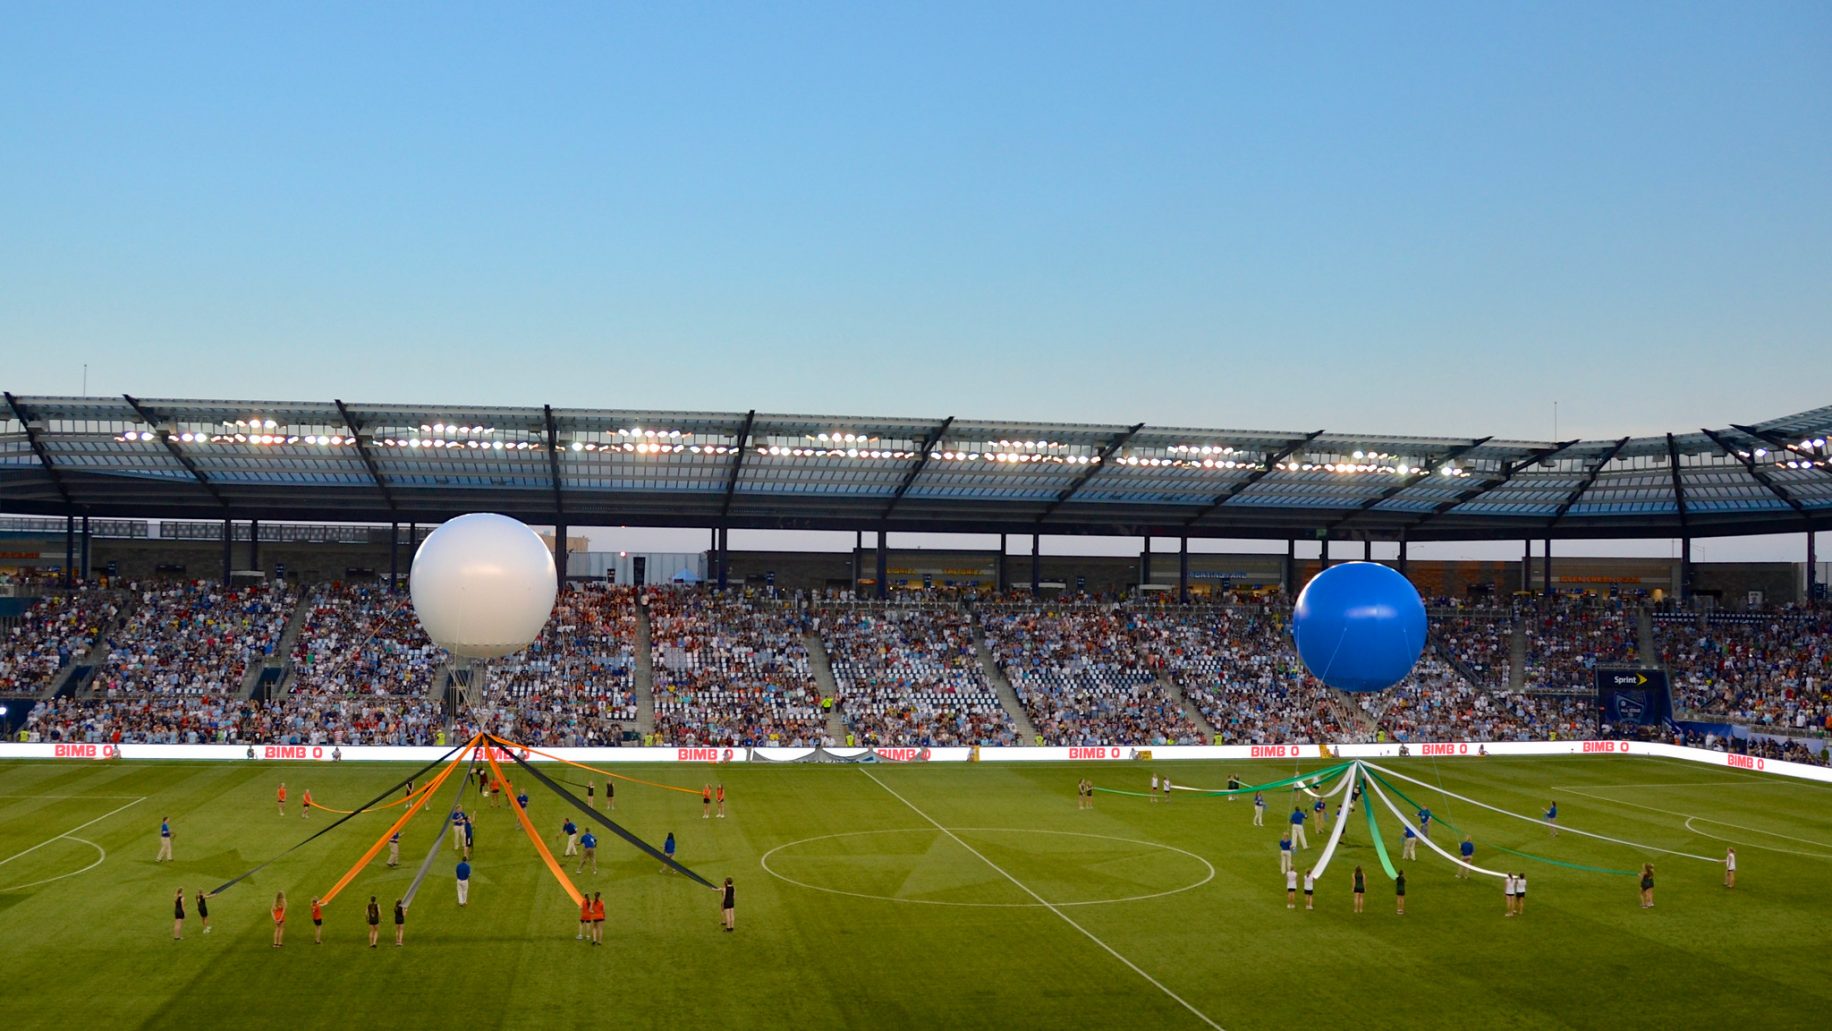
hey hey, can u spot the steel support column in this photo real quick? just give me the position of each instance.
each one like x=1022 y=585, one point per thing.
x=1036 y=564
x=1526 y=564
x=1288 y=573
x=1323 y=553
x=1367 y=550
x=725 y=557
x=228 y=546
x=1402 y=556
x=1812 y=566
x=884 y=566
x=254 y=544
x=1684 y=587
x=858 y=559
x=1546 y=570
x=560 y=557
x=1145 y=563
x=83 y=555
x=394 y=556
x=70 y=549
x=1183 y=570
x=999 y=569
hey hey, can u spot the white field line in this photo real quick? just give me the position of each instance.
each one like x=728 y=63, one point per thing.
x=71 y=831
x=66 y=797
x=1001 y=871
x=101 y=857
x=1700 y=819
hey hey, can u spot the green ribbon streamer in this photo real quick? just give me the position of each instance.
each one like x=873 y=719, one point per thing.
x=1503 y=848
x=1380 y=847
x=1322 y=776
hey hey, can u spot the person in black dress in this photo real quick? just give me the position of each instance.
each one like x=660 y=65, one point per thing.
x=374 y=916
x=400 y=923
x=728 y=906
x=203 y=911
x=178 y=915
x=1399 y=891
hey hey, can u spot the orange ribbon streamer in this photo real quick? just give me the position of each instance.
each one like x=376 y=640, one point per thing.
x=403 y=800
x=533 y=835
x=419 y=802
x=604 y=773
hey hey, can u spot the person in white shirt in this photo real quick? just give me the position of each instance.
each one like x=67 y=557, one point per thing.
x=1154 y=787
x=1520 y=894
x=1730 y=868
x=1291 y=888
x=1507 y=889
x=1310 y=889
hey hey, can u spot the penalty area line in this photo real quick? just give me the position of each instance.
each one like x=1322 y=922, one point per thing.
x=1045 y=903
x=71 y=831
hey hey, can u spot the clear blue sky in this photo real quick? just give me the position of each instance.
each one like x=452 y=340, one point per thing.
x=1411 y=217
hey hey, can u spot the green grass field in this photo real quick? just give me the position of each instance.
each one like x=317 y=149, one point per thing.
x=868 y=914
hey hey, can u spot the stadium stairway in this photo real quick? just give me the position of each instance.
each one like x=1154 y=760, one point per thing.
x=81 y=675
x=273 y=669
x=644 y=679
x=1195 y=715
x=1001 y=685
x=821 y=666
x=1517 y=657
x=1644 y=636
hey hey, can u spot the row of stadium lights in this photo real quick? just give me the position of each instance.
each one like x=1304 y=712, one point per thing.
x=645 y=447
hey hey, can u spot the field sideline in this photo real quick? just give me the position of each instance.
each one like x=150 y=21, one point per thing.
x=950 y=895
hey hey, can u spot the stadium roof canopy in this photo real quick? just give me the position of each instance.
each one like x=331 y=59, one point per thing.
x=331 y=461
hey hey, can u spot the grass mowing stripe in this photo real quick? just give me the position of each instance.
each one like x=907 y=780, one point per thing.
x=1180 y=1000
x=1701 y=819
x=71 y=831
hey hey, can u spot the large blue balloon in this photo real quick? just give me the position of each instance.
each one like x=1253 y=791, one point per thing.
x=1359 y=626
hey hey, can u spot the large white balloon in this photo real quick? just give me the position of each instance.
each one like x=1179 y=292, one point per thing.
x=483 y=585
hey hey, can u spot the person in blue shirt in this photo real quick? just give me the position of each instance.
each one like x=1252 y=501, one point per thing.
x=394 y=849
x=521 y=799
x=458 y=828
x=1552 y=818
x=588 y=851
x=464 y=882
x=1321 y=809
x=1468 y=848
x=165 y=840
x=571 y=830
x=1411 y=844
x=668 y=850
x=1285 y=854
x=467 y=837
x=1425 y=822
x=1297 y=828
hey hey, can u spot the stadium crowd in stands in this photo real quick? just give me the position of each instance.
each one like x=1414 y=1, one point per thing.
x=195 y=638
x=1772 y=670
x=1082 y=677
x=56 y=630
x=731 y=669
x=735 y=669
x=910 y=675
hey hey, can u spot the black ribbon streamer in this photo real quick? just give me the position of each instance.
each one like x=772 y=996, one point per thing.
x=386 y=793
x=596 y=816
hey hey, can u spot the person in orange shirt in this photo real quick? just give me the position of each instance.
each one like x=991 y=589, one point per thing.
x=282 y=798
x=317 y=921
x=305 y=804
x=721 y=801
x=279 y=918
x=585 y=918
x=706 y=802
x=597 y=919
